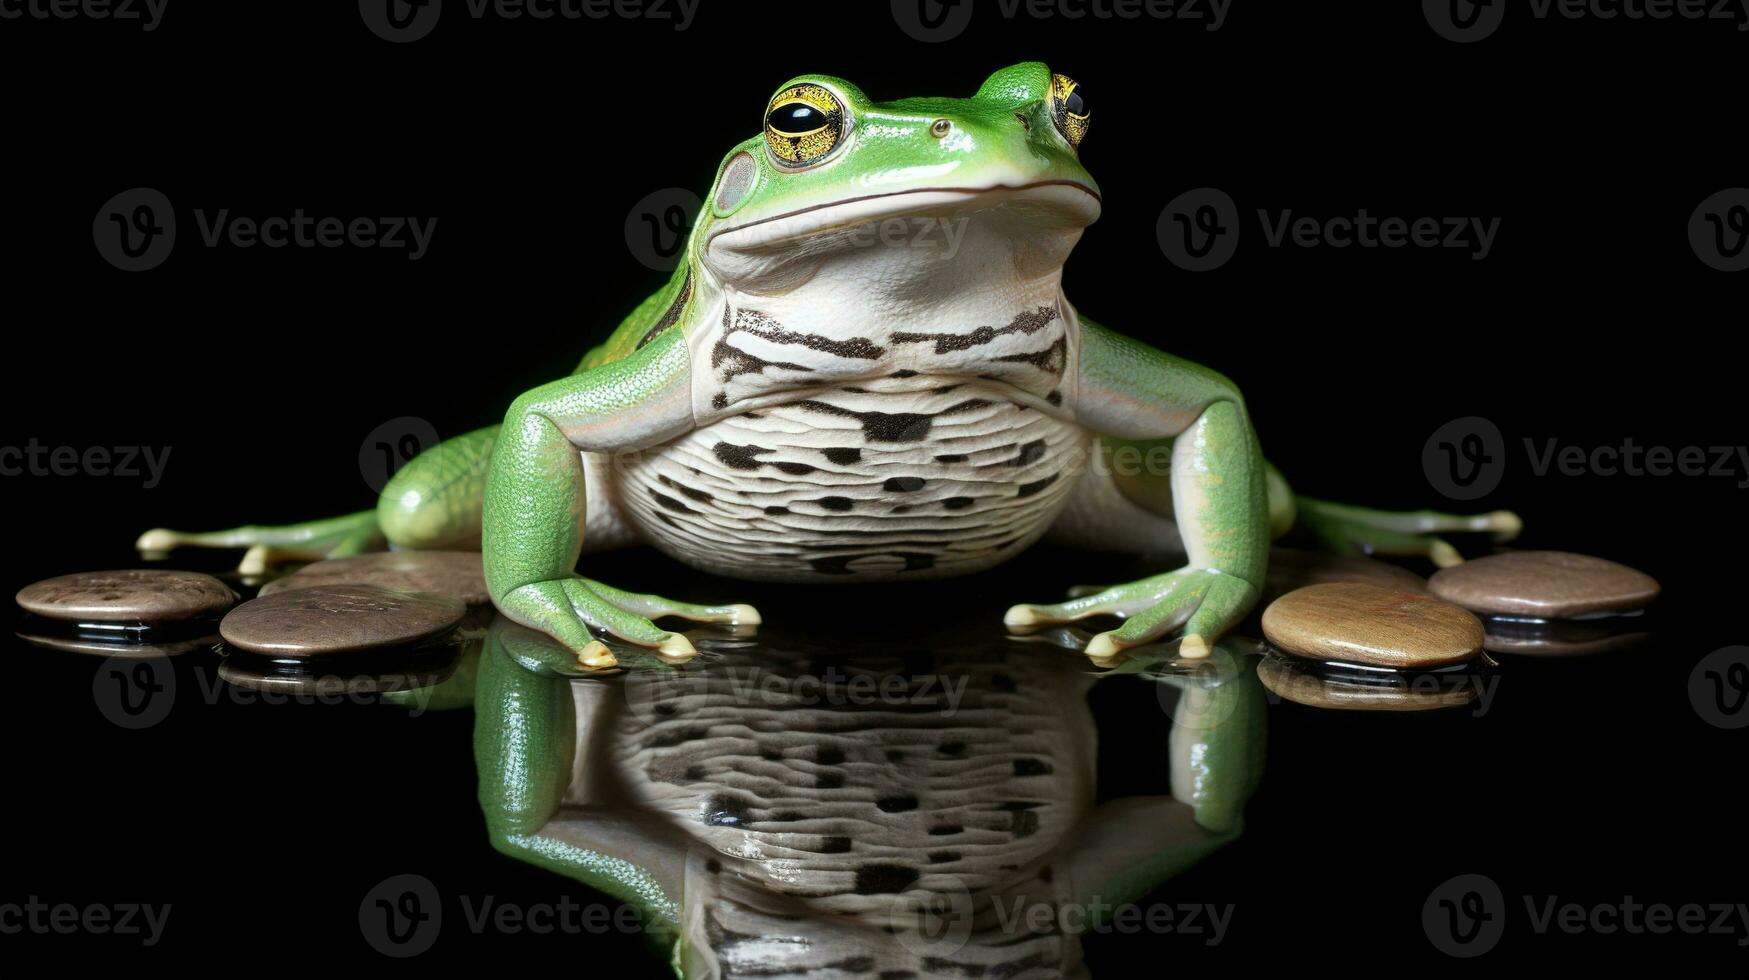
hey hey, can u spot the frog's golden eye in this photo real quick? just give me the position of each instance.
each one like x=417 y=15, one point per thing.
x=803 y=125
x=1068 y=109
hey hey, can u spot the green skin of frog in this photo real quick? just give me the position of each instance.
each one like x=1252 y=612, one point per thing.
x=865 y=368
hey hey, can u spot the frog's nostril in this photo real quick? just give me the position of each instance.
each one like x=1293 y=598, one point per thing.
x=940 y=128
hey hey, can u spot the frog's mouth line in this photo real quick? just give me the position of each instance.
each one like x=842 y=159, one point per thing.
x=1083 y=210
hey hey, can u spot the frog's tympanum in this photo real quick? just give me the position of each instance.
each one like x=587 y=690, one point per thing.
x=788 y=809
x=866 y=368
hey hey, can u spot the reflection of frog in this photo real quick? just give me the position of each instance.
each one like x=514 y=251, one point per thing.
x=865 y=367
x=785 y=806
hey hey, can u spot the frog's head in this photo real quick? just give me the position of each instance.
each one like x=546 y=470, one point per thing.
x=835 y=176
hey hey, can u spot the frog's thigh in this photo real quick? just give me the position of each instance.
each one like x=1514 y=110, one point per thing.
x=435 y=501
x=1099 y=517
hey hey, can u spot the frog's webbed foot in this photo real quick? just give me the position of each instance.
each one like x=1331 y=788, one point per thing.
x=271 y=545
x=1360 y=530
x=1204 y=602
x=570 y=610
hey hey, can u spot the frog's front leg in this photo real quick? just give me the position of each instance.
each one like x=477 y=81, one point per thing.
x=532 y=527
x=1218 y=482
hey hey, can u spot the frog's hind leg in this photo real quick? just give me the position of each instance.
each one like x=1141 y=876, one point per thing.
x=432 y=502
x=268 y=545
x=1348 y=529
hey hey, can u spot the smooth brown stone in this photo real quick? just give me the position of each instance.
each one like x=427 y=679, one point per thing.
x=338 y=619
x=1290 y=569
x=1366 y=624
x=146 y=595
x=460 y=575
x=1304 y=687
x=1544 y=585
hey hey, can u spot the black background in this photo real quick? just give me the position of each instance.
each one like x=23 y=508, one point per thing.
x=1591 y=322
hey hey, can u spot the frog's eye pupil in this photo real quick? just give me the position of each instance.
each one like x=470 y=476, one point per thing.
x=803 y=125
x=1075 y=104
x=795 y=119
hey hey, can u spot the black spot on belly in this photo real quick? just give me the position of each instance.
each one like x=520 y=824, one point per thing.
x=837 y=504
x=770 y=754
x=896 y=426
x=895 y=755
x=917 y=561
x=1045 y=874
x=834 y=845
x=671 y=503
x=884 y=879
x=1023 y=823
x=795 y=469
x=1032 y=767
x=1032 y=452
x=957 y=503
x=829 y=780
x=903 y=373
x=722 y=811
x=738 y=457
x=951 y=748
x=902 y=509
x=903 y=484
x=713 y=866
x=829 y=756
x=1055 y=398
x=946 y=830
x=832 y=564
x=843 y=457
x=943 y=857
x=1028 y=489
x=775 y=511
x=896 y=804
x=951 y=458
x=693 y=492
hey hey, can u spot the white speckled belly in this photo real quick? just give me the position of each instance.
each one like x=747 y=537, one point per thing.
x=900 y=478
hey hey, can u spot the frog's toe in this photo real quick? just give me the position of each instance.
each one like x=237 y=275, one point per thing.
x=1205 y=603
x=655 y=607
x=1117 y=600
